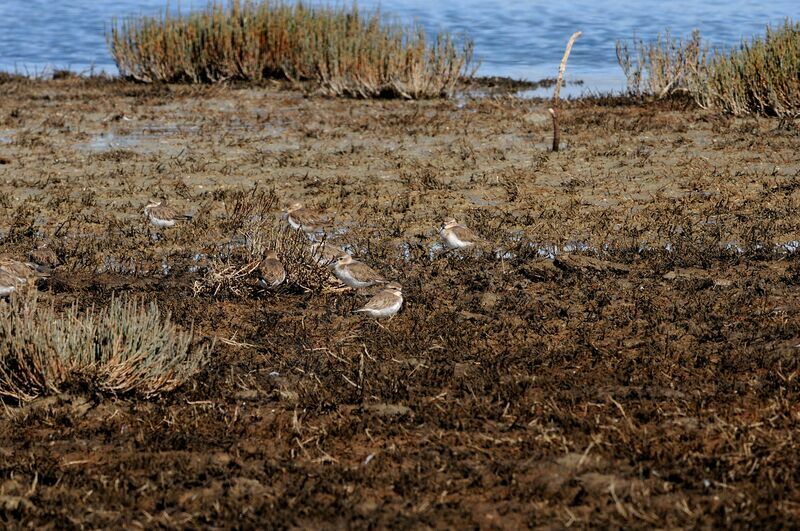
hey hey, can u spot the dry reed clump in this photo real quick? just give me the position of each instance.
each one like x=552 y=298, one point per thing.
x=127 y=347
x=662 y=67
x=760 y=77
x=234 y=271
x=345 y=52
x=250 y=222
x=244 y=208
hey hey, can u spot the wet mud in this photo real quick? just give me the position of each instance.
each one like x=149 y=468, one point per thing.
x=621 y=351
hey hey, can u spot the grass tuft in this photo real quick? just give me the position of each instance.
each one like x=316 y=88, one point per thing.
x=662 y=67
x=345 y=52
x=127 y=347
x=759 y=77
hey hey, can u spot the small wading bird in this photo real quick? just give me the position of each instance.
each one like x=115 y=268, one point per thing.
x=325 y=254
x=8 y=283
x=356 y=274
x=24 y=271
x=163 y=216
x=44 y=256
x=13 y=273
x=457 y=236
x=271 y=270
x=302 y=218
x=386 y=303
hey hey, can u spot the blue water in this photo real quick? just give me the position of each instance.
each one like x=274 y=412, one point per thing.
x=522 y=39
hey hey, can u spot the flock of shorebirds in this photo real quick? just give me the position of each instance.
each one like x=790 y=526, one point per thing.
x=353 y=273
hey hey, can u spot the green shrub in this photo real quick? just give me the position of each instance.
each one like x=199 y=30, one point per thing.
x=126 y=347
x=341 y=50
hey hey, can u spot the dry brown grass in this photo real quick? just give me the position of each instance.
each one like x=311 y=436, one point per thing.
x=664 y=66
x=344 y=51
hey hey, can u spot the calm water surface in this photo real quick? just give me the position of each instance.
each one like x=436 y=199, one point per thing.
x=523 y=39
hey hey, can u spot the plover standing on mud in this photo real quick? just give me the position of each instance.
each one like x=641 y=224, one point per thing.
x=356 y=274
x=457 y=236
x=302 y=218
x=386 y=303
x=163 y=216
x=271 y=270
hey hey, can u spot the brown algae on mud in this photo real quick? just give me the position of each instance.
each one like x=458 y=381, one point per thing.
x=647 y=378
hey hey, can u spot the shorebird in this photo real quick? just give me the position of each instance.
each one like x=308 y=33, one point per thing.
x=325 y=254
x=163 y=216
x=13 y=273
x=457 y=236
x=271 y=270
x=8 y=283
x=356 y=274
x=23 y=271
x=302 y=218
x=44 y=256
x=385 y=303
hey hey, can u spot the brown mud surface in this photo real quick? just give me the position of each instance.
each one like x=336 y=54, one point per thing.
x=623 y=351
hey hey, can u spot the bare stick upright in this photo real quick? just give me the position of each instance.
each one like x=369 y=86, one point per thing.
x=556 y=94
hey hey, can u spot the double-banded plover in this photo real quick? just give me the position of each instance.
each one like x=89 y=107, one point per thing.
x=8 y=283
x=325 y=254
x=386 y=303
x=302 y=218
x=23 y=270
x=162 y=216
x=14 y=273
x=457 y=236
x=356 y=274
x=271 y=271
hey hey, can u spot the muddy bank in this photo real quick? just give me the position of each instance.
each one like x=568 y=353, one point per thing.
x=621 y=352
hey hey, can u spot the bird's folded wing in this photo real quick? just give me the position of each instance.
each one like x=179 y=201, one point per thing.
x=380 y=301
x=464 y=234
x=364 y=273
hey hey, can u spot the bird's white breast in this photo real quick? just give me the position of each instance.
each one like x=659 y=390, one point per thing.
x=7 y=290
x=158 y=222
x=294 y=224
x=453 y=241
x=387 y=311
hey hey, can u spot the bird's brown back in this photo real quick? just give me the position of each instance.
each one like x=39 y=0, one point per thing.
x=364 y=273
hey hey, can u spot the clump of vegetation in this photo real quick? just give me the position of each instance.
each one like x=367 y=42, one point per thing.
x=662 y=67
x=234 y=272
x=340 y=49
x=127 y=347
x=244 y=208
x=760 y=77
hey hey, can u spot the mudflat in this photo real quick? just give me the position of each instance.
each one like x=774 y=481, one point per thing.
x=621 y=350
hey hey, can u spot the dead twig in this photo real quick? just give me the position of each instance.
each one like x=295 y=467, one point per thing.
x=554 y=110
